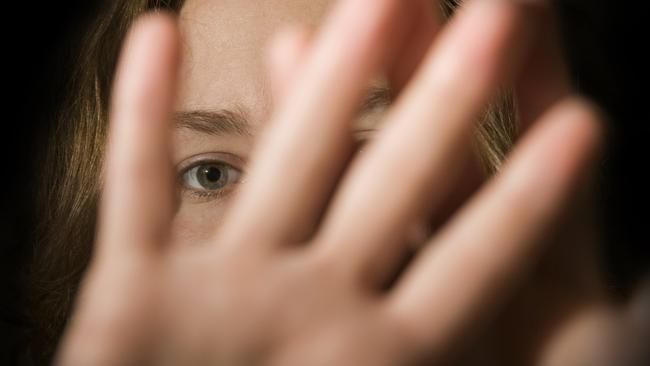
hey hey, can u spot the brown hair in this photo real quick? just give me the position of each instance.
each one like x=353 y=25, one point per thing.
x=73 y=160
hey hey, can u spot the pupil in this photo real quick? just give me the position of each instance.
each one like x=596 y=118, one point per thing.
x=213 y=174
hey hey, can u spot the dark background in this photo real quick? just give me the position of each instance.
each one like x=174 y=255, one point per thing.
x=605 y=42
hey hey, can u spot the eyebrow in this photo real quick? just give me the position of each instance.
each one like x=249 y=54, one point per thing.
x=215 y=122
x=236 y=122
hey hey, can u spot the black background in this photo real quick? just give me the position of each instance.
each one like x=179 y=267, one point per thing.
x=605 y=41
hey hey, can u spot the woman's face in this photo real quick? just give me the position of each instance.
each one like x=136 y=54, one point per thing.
x=225 y=98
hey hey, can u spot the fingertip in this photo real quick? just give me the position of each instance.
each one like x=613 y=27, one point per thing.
x=558 y=155
x=155 y=26
x=285 y=54
x=151 y=49
x=288 y=41
x=585 y=120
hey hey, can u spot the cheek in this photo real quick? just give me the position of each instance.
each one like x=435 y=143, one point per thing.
x=197 y=224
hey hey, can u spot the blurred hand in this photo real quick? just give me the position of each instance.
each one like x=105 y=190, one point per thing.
x=307 y=270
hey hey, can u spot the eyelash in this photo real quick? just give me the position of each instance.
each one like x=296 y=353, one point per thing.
x=207 y=194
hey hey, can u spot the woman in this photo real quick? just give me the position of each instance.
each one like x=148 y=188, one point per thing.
x=313 y=260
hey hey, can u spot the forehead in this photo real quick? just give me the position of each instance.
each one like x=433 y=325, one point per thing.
x=224 y=49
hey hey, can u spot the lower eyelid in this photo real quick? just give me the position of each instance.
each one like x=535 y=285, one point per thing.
x=207 y=196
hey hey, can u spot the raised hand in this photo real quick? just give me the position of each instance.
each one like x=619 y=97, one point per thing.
x=314 y=281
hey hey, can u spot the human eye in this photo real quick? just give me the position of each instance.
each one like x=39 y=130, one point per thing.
x=209 y=176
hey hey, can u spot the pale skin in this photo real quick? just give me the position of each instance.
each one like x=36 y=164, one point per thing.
x=293 y=267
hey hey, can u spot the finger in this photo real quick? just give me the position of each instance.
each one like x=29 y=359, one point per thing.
x=459 y=279
x=297 y=163
x=430 y=19
x=639 y=307
x=288 y=51
x=421 y=154
x=595 y=334
x=637 y=313
x=137 y=201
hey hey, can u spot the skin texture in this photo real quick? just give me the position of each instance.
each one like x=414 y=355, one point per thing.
x=293 y=268
x=216 y=75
